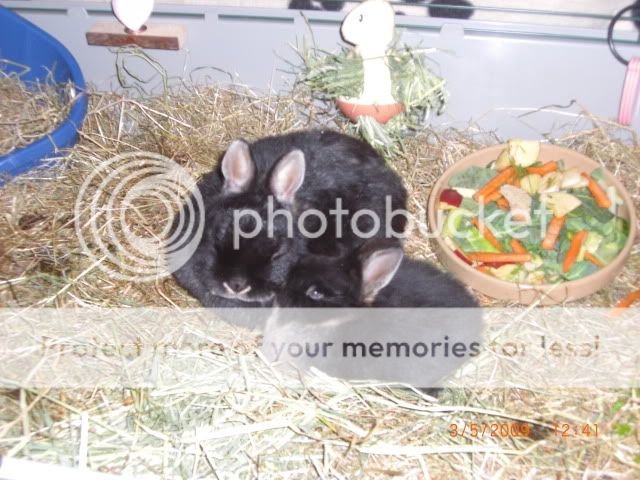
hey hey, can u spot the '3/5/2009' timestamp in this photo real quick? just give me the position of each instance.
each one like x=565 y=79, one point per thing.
x=522 y=429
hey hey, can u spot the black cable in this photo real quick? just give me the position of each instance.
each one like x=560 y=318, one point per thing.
x=612 y=25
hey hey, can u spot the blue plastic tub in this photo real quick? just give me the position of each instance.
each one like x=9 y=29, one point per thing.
x=24 y=43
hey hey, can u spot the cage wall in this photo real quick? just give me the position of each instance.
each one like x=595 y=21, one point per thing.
x=516 y=79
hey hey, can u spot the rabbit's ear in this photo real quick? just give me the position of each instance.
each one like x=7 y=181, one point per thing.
x=237 y=167
x=287 y=176
x=378 y=269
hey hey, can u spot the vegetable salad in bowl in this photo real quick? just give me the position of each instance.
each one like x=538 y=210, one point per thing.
x=530 y=222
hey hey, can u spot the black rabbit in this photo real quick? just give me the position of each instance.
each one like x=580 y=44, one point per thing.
x=412 y=302
x=376 y=276
x=246 y=250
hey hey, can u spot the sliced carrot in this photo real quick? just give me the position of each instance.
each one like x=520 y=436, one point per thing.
x=502 y=203
x=574 y=249
x=496 y=264
x=544 y=168
x=515 y=182
x=496 y=182
x=517 y=247
x=490 y=257
x=487 y=234
x=593 y=259
x=598 y=194
x=483 y=269
x=492 y=196
x=553 y=230
x=629 y=300
x=626 y=302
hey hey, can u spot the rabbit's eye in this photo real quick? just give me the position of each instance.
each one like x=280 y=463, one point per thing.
x=360 y=18
x=314 y=293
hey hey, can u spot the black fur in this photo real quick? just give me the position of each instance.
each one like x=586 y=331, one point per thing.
x=336 y=166
x=261 y=262
x=419 y=284
x=416 y=284
x=337 y=279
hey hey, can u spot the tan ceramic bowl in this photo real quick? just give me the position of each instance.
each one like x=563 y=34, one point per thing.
x=527 y=294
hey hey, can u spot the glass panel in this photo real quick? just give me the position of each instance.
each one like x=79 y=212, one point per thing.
x=569 y=13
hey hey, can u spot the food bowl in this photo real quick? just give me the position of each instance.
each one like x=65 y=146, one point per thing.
x=546 y=294
x=382 y=113
x=40 y=58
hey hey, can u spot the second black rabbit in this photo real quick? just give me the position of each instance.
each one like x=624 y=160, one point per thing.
x=376 y=275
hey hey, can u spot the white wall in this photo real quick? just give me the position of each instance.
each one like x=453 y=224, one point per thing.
x=495 y=73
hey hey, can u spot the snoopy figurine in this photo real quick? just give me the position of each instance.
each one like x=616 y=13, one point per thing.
x=133 y=13
x=370 y=27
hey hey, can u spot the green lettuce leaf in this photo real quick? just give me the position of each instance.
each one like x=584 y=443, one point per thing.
x=598 y=175
x=470 y=205
x=589 y=212
x=579 y=270
x=473 y=177
x=474 y=241
x=617 y=233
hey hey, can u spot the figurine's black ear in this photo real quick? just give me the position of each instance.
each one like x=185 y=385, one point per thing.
x=450 y=9
x=237 y=167
x=287 y=176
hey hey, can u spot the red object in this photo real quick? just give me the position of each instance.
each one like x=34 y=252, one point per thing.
x=462 y=257
x=451 y=197
x=382 y=113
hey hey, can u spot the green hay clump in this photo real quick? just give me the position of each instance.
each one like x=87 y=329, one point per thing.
x=329 y=76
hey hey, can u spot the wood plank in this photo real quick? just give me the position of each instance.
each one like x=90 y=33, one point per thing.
x=156 y=36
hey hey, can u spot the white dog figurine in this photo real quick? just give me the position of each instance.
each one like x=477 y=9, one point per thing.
x=370 y=27
x=132 y=13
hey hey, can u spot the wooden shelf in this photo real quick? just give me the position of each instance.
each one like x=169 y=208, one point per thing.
x=156 y=36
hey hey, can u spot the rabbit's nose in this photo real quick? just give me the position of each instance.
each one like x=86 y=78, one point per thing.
x=237 y=285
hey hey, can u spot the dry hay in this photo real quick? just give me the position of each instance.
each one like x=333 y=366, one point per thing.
x=247 y=421
x=327 y=76
x=28 y=111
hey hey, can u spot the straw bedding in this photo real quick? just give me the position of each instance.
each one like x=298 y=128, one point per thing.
x=249 y=421
x=28 y=112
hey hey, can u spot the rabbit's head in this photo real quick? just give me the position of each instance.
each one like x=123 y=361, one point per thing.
x=353 y=280
x=250 y=235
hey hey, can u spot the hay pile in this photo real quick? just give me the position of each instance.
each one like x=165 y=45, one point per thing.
x=328 y=76
x=248 y=421
x=28 y=111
